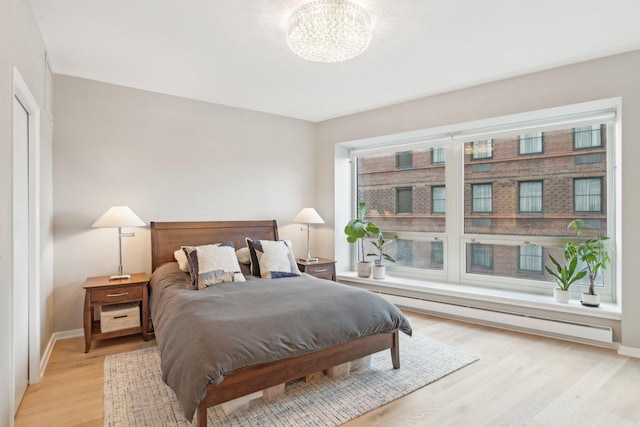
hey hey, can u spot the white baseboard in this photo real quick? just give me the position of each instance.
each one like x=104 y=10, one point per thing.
x=624 y=350
x=44 y=360
x=65 y=335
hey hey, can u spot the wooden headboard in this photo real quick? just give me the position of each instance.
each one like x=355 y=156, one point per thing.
x=167 y=237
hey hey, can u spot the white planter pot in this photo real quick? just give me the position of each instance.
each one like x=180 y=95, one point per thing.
x=590 y=300
x=560 y=295
x=379 y=271
x=364 y=269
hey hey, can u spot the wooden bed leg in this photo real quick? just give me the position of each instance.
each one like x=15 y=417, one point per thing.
x=201 y=415
x=395 y=350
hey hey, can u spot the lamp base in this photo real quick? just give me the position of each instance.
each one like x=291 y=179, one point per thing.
x=120 y=277
x=309 y=259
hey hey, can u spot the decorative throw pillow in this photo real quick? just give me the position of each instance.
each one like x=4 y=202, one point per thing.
x=272 y=259
x=244 y=256
x=181 y=257
x=212 y=264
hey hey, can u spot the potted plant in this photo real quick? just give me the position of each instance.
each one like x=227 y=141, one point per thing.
x=593 y=253
x=565 y=275
x=379 y=268
x=358 y=229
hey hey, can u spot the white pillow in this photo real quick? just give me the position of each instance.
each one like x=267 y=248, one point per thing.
x=275 y=259
x=181 y=257
x=244 y=256
x=212 y=264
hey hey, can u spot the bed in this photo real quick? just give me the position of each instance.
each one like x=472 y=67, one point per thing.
x=214 y=348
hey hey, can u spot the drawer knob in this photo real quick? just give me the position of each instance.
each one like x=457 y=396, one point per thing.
x=118 y=295
x=321 y=270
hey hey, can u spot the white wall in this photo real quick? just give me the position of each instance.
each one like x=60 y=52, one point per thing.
x=616 y=76
x=22 y=47
x=169 y=159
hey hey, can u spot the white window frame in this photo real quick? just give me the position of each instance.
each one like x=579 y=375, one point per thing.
x=455 y=240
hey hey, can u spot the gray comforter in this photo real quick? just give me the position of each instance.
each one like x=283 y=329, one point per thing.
x=204 y=335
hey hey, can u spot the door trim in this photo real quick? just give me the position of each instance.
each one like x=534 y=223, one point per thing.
x=24 y=95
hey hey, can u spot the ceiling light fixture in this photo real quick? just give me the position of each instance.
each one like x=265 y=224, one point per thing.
x=329 y=31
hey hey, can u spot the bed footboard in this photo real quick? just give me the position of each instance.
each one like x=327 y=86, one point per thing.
x=261 y=377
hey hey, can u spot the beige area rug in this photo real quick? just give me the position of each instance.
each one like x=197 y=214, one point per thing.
x=134 y=394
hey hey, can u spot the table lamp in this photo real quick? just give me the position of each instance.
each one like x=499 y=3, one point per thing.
x=309 y=216
x=118 y=217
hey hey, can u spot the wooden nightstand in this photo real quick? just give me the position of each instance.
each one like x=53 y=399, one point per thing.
x=101 y=291
x=323 y=268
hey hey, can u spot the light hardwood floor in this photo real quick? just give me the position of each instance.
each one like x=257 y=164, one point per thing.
x=520 y=379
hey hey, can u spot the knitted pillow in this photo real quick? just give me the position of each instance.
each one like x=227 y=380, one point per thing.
x=272 y=259
x=212 y=264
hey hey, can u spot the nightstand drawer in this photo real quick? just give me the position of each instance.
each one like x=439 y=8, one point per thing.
x=322 y=269
x=328 y=275
x=115 y=295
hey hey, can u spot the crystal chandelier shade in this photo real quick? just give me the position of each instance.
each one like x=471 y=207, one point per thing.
x=329 y=31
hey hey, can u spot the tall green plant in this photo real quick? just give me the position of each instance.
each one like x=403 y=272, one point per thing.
x=358 y=228
x=592 y=252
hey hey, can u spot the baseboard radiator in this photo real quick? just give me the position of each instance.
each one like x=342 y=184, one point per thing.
x=592 y=334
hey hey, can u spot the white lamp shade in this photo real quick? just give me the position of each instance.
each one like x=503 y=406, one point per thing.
x=308 y=216
x=119 y=216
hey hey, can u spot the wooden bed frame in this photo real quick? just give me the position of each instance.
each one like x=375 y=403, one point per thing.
x=166 y=237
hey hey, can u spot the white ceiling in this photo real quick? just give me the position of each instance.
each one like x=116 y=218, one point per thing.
x=234 y=52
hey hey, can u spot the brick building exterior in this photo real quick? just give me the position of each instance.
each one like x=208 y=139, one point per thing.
x=528 y=185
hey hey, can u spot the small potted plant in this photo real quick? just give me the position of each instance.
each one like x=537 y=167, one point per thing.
x=359 y=229
x=593 y=253
x=379 y=268
x=565 y=275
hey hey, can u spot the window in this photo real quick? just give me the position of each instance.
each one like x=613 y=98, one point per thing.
x=530 y=259
x=402 y=252
x=482 y=198
x=404 y=159
x=415 y=254
x=508 y=213
x=530 y=143
x=587 y=137
x=530 y=194
x=437 y=253
x=404 y=200
x=482 y=149
x=587 y=194
x=438 y=155
x=482 y=256
x=438 y=199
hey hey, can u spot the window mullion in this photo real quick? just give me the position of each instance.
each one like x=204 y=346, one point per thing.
x=454 y=179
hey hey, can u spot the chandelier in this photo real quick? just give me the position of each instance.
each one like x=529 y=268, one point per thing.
x=329 y=31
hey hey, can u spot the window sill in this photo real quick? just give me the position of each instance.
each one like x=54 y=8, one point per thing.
x=606 y=310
